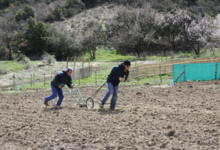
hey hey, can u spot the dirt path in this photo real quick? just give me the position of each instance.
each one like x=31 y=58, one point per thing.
x=144 y=118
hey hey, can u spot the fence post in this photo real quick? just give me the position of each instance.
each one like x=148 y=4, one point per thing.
x=138 y=73
x=160 y=74
x=96 y=78
x=89 y=60
x=166 y=64
x=31 y=79
x=74 y=67
x=44 y=79
x=83 y=61
x=135 y=62
x=74 y=62
x=67 y=62
x=98 y=68
x=216 y=71
x=162 y=58
x=184 y=72
x=79 y=76
x=13 y=78
x=51 y=75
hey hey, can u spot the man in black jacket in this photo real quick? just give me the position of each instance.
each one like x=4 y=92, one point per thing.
x=63 y=77
x=117 y=74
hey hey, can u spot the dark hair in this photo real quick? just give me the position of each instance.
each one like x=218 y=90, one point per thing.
x=127 y=62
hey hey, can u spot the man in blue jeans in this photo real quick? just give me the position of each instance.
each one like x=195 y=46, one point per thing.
x=117 y=74
x=63 y=77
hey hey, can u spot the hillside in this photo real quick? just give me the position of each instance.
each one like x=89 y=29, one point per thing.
x=138 y=28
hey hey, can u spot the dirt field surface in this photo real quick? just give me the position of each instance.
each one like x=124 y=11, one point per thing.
x=186 y=116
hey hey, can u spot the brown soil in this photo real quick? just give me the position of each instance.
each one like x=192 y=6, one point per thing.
x=186 y=116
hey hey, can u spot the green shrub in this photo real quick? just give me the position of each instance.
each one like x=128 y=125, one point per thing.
x=25 y=14
x=50 y=17
x=48 y=59
x=58 y=13
x=3 y=70
x=69 y=13
x=24 y=60
x=2 y=52
x=73 y=3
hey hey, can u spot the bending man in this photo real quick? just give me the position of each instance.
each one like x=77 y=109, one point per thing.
x=63 y=77
x=117 y=74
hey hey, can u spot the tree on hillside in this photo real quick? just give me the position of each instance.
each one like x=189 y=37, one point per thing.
x=171 y=27
x=189 y=2
x=182 y=26
x=134 y=29
x=198 y=33
x=38 y=39
x=62 y=44
x=75 y=3
x=25 y=14
x=2 y=51
x=21 y=39
x=93 y=35
x=7 y=27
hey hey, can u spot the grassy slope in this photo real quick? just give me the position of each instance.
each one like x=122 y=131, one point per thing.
x=14 y=66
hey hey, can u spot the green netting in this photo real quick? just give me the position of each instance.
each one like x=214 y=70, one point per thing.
x=197 y=71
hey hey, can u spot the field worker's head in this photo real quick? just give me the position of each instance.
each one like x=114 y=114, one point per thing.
x=69 y=71
x=127 y=64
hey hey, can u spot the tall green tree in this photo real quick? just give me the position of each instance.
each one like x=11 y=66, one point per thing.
x=25 y=14
x=38 y=38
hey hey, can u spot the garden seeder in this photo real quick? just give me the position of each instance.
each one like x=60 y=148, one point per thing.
x=89 y=102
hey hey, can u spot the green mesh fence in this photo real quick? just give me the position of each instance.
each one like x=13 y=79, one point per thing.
x=196 y=71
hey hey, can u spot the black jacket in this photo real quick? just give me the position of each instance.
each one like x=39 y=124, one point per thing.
x=62 y=77
x=118 y=71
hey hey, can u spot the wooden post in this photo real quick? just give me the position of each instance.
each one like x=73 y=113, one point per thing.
x=138 y=73
x=13 y=78
x=95 y=78
x=31 y=79
x=74 y=62
x=67 y=62
x=160 y=74
x=83 y=61
x=216 y=71
x=166 y=64
x=44 y=79
x=51 y=75
x=135 y=62
x=89 y=60
x=162 y=58
x=74 y=68
x=79 y=76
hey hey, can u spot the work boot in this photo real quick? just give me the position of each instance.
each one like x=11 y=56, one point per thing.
x=46 y=102
x=58 y=107
x=101 y=106
x=111 y=109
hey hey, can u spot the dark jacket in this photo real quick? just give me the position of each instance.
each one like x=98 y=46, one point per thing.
x=62 y=77
x=117 y=72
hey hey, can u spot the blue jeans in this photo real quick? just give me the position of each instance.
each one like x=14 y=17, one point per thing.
x=56 y=91
x=111 y=91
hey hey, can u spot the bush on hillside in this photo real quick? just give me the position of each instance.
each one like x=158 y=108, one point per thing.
x=75 y=3
x=2 y=70
x=50 y=17
x=25 y=14
x=23 y=59
x=2 y=51
x=48 y=59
